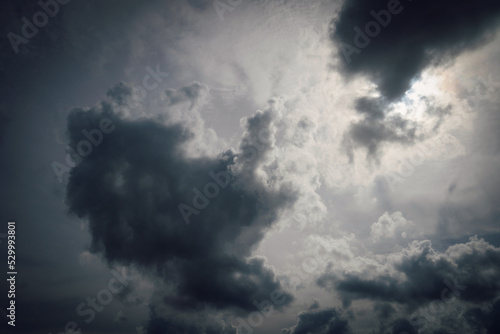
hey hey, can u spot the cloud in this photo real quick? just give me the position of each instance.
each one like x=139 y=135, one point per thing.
x=421 y=285
x=480 y=318
x=314 y=321
x=378 y=126
x=410 y=37
x=388 y=225
x=131 y=187
x=385 y=122
x=191 y=93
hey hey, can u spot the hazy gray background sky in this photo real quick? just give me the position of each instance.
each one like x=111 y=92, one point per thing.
x=363 y=165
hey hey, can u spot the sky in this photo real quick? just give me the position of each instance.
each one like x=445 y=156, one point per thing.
x=250 y=166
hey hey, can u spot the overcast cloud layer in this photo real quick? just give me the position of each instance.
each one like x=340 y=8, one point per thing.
x=242 y=167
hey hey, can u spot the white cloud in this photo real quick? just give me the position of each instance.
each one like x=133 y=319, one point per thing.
x=390 y=226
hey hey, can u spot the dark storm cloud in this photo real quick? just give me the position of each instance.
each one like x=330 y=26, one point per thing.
x=373 y=108
x=130 y=187
x=377 y=128
x=466 y=273
x=403 y=326
x=185 y=325
x=474 y=265
x=418 y=34
x=488 y=319
x=327 y=321
x=384 y=310
x=384 y=313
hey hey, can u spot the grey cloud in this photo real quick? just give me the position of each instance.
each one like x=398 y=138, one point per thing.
x=191 y=93
x=373 y=132
x=120 y=93
x=380 y=125
x=484 y=319
x=314 y=321
x=373 y=108
x=129 y=189
x=426 y=271
x=468 y=273
x=422 y=34
x=402 y=325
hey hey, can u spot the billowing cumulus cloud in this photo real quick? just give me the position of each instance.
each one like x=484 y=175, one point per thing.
x=192 y=221
x=390 y=226
x=424 y=286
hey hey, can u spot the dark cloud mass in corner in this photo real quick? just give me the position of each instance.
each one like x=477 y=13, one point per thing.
x=421 y=34
x=130 y=188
